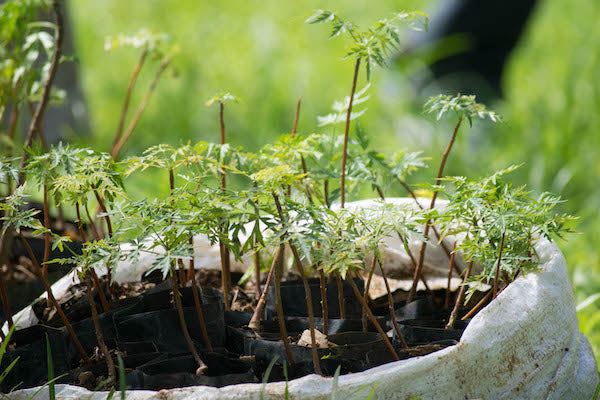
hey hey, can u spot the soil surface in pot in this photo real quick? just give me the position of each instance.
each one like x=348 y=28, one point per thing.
x=142 y=328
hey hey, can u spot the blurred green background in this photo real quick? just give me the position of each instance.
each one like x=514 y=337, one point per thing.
x=264 y=53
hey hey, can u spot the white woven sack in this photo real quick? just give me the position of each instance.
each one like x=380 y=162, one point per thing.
x=525 y=344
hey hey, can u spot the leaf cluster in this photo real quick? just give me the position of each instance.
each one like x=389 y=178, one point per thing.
x=462 y=105
x=377 y=42
x=494 y=218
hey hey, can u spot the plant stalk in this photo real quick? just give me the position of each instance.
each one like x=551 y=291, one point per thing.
x=447 y=299
x=307 y=293
x=477 y=306
x=138 y=113
x=391 y=305
x=280 y=315
x=460 y=298
x=435 y=231
x=362 y=300
x=413 y=289
x=127 y=99
x=254 y=323
x=309 y=307
x=95 y=280
x=346 y=131
x=224 y=250
x=366 y=292
x=202 y=367
x=341 y=302
x=496 y=276
x=109 y=361
x=5 y=304
x=324 y=305
x=197 y=305
x=38 y=116
x=53 y=301
x=109 y=282
x=257 y=270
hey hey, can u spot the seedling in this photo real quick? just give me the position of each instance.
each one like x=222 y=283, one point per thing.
x=464 y=107
x=221 y=98
x=153 y=45
x=283 y=201
x=373 y=45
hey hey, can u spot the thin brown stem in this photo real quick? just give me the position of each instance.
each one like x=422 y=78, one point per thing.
x=257 y=269
x=324 y=305
x=92 y=222
x=366 y=292
x=191 y=267
x=225 y=273
x=477 y=306
x=12 y=126
x=5 y=304
x=296 y=117
x=99 y=336
x=202 y=367
x=53 y=301
x=362 y=300
x=414 y=266
x=391 y=305
x=38 y=116
x=47 y=233
x=435 y=231
x=438 y=180
x=346 y=131
x=224 y=250
x=109 y=282
x=280 y=314
x=302 y=160
x=326 y=192
x=198 y=306
x=138 y=113
x=95 y=280
x=105 y=212
x=341 y=300
x=127 y=99
x=254 y=323
x=307 y=293
x=497 y=275
x=40 y=132
x=309 y=307
x=460 y=298
x=447 y=299
x=100 y=291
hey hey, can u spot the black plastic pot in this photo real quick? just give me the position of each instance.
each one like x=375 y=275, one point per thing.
x=423 y=331
x=294 y=304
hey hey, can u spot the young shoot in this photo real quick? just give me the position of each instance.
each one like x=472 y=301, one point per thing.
x=373 y=45
x=462 y=107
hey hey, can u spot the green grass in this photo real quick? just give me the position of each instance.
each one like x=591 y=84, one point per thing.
x=264 y=53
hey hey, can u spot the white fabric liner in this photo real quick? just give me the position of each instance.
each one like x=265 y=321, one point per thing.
x=524 y=344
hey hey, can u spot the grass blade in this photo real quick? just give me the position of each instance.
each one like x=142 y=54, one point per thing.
x=285 y=374
x=3 y=350
x=334 y=384
x=121 y=377
x=50 y=363
x=266 y=377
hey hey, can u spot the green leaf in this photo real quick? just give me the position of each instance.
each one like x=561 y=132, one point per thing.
x=321 y=16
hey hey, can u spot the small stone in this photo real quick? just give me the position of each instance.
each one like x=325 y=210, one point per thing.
x=320 y=339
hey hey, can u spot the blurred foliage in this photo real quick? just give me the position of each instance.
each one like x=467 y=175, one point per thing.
x=266 y=54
